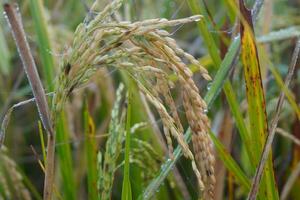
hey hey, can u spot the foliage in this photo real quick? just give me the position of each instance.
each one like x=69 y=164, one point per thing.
x=153 y=136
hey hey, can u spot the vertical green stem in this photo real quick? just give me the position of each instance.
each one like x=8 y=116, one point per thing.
x=126 y=190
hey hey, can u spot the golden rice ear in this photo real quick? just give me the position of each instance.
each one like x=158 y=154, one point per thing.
x=149 y=55
x=202 y=145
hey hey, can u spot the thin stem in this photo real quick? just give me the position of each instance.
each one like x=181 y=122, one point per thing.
x=126 y=189
x=290 y=182
x=288 y=136
x=7 y=114
x=49 y=168
x=15 y=21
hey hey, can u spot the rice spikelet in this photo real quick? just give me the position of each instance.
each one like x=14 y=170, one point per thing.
x=149 y=55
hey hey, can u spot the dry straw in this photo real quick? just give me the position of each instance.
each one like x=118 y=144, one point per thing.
x=149 y=55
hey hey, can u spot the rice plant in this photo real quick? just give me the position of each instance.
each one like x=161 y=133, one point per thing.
x=129 y=91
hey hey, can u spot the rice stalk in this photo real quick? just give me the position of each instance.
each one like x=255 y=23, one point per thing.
x=126 y=186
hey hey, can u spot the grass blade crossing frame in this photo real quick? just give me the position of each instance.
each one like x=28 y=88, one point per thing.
x=270 y=137
x=255 y=99
x=126 y=189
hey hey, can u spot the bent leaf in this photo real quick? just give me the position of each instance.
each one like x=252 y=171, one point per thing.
x=256 y=100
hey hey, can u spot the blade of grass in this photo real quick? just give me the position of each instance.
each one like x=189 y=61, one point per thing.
x=4 y=52
x=256 y=99
x=126 y=188
x=270 y=137
x=223 y=71
x=65 y=158
x=40 y=25
x=225 y=135
x=282 y=34
x=228 y=61
x=202 y=25
x=231 y=13
x=90 y=150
